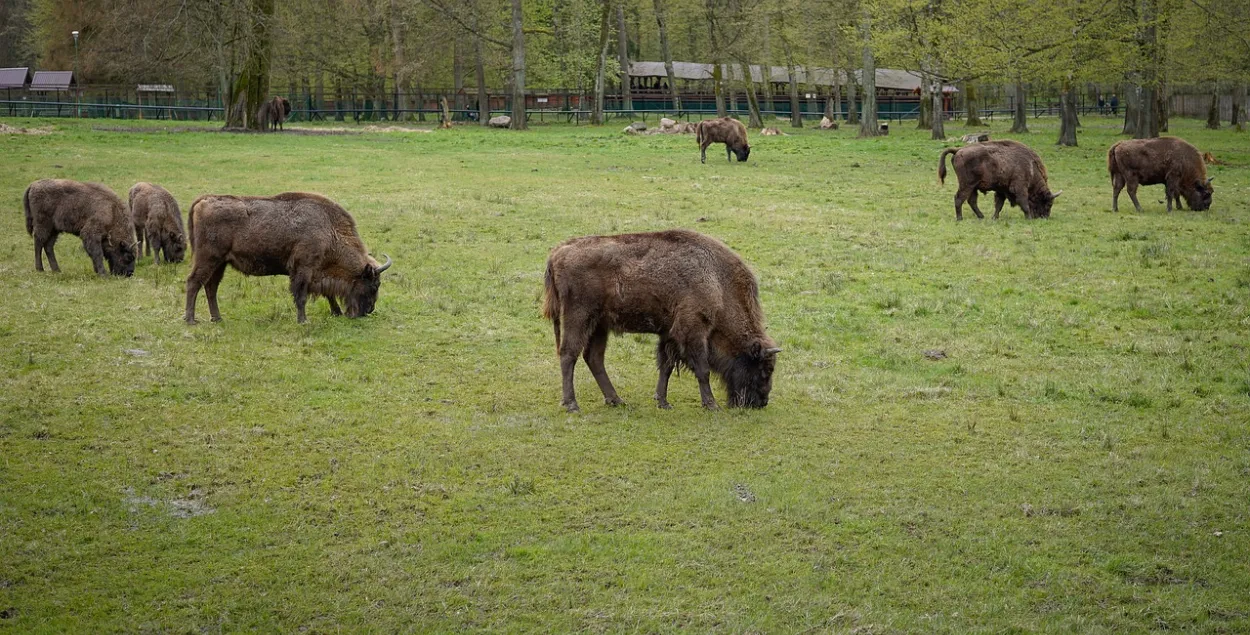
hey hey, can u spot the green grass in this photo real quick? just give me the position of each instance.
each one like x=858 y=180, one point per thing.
x=1079 y=460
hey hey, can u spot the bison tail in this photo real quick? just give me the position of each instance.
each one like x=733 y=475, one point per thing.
x=551 y=301
x=698 y=133
x=30 y=218
x=191 y=222
x=1112 y=167
x=942 y=164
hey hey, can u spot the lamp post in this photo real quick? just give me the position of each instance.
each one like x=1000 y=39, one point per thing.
x=77 y=109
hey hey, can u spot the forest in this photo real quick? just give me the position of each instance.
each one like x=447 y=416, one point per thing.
x=393 y=50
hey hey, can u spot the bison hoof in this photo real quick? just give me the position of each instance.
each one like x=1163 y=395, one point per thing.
x=664 y=405
x=613 y=401
x=191 y=321
x=571 y=407
x=711 y=405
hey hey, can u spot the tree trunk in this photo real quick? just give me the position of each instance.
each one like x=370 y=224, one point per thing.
x=622 y=54
x=830 y=99
x=796 y=110
x=868 y=122
x=852 y=108
x=1238 y=118
x=518 y=67
x=457 y=71
x=338 y=99
x=1148 y=112
x=401 y=73
x=596 y=109
x=753 y=103
x=251 y=88
x=1130 y=110
x=925 y=119
x=1020 y=118
x=936 y=111
x=1161 y=103
x=666 y=53
x=718 y=71
x=1067 y=115
x=483 y=98
x=972 y=104
x=1213 y=113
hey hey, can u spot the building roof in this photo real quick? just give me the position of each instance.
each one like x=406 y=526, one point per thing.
x=14 y=77
x=891 y=78
x=53 y=80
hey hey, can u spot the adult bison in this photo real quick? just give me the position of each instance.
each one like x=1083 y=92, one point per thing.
x=690 y=289
x=1009 y=169
x=88 y=210
x=726 y=130
x=1167 y=160
x=272 y=113
x=158 y=220
x=304 y=236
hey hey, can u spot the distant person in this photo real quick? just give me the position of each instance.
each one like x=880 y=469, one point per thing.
x=1102 y=105
x=1115 y=104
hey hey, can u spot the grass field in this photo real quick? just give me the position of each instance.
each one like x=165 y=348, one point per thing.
x=1078 y=461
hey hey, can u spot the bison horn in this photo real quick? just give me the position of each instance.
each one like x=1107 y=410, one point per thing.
x=772 y=351
x=1056 y=195
x=1210 y=179
x=386 y=265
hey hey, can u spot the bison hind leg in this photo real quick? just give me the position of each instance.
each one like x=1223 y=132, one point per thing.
x=667 y=359
x=594 y=353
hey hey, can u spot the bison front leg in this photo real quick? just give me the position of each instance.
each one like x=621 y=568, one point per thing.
x=155 y=243
x=729 y=155
x=702 y=371
x=299 y=292
x=96 y=251
x=665 y=362
x=999 y=199
x=594 y=353
x=334 y=306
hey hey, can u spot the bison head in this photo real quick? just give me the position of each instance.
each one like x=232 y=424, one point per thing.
x=1199 y=197
x=749 y=378
x=1041 y=202
x=120 y=256
x=363 y=294
x=743 y=152
x=175 y=246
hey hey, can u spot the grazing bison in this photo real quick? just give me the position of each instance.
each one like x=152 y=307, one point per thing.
x=1167 y=160
x=304 y=236
x=157 y=219
x=726 y=130
x=690 y=289
x=1010 y=169
x=88 y=210
x=272 y=113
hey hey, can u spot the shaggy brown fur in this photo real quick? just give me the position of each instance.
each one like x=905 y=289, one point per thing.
x=1009 y=169
x=88 y=210
x=272 y=113
x=690 y=289
x=158 y=220
x=726 y=130
x=305 y=236
x=1167 y=160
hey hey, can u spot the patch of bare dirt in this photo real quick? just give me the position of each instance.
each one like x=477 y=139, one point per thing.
x=6 y=129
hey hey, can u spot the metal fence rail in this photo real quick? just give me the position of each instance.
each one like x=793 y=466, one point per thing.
x=118 y=110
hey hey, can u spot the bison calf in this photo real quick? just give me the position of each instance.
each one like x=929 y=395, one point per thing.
x=690 y=289
x=158 y=222
x=1167 y=160
x=88 y=210
x=726 y=130
x=304 y=236
x=1009 y=169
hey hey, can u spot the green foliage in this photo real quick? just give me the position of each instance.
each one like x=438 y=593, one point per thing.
x=1058 y=467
